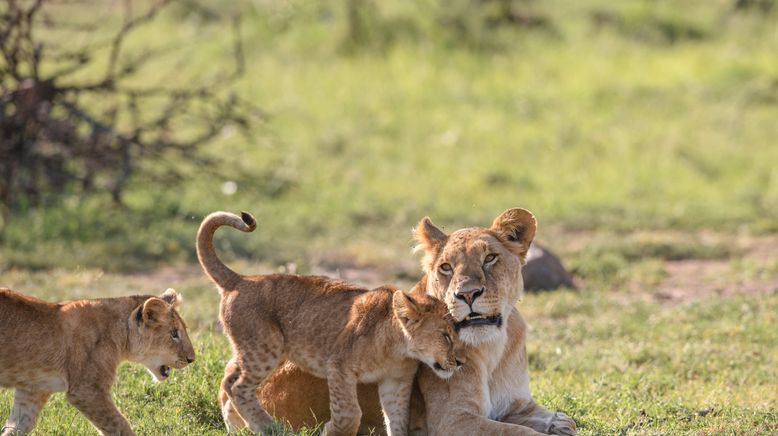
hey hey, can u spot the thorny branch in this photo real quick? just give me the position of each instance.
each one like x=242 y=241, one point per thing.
x=59 y=134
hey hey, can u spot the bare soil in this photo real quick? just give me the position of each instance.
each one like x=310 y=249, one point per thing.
x=753 y=270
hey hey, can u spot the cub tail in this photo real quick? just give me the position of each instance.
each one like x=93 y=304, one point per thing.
x=224 y=277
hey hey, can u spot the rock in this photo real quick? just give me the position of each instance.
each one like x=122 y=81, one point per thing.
x=544 y=270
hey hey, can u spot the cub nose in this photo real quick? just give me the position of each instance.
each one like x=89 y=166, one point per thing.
x=190 y=359
x=469 y=296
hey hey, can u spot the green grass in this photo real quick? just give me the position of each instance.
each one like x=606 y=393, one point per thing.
x=613 y=361
x=645 y=137
x=640 y=368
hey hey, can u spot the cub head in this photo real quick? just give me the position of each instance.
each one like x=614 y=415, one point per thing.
x=429 y=329
x=477 y=271
x=160 y=340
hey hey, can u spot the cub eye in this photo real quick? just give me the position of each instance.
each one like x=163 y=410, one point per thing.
x=174 y=334
x=445 y=268
x=490 y=258
x=448 y=338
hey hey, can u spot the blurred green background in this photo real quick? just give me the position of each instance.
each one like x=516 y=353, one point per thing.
x=595 y=115
x=643 y=134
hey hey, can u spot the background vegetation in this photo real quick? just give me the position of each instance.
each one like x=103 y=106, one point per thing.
x=641 y=133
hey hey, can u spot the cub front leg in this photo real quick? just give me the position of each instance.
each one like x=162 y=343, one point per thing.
x=98 y=407
x=232 y=419
x=240 y=384
x=27 y=405
x=395 y=396
x=345 y=413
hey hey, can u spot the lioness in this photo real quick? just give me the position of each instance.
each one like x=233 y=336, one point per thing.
x=334 y=330
x=76 y=346
x=477 y=271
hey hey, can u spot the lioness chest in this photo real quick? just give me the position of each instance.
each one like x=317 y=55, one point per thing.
x=506 y=364
x=505 y=383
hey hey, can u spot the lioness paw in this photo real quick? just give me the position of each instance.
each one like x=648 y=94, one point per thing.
x=562 y=424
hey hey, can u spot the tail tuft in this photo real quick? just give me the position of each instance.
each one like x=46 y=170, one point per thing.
x=249 y=220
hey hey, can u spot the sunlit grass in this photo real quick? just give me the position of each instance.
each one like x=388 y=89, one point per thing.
x=614 y=362
x=633 y=143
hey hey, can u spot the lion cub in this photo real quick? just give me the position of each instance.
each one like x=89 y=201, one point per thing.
x=76 y=346
x=333 y=330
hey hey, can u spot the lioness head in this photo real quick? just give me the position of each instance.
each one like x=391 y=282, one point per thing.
x=159 y=338
x=430 y=331
x=477 y=270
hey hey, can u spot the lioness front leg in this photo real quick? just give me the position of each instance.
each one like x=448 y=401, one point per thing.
x=395 y=396
x=530 y=414
x=27 y=405
x=345 y=413
x=457 y=406
x=98 y=407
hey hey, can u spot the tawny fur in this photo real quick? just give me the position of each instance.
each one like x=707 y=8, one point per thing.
x=490 y=394
x=76 y=346
x=333 y=329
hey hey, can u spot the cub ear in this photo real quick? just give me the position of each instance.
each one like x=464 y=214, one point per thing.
x=406 y=309
x=516 y=227
x=431 y=239
x=171 y=297
x=154 y=309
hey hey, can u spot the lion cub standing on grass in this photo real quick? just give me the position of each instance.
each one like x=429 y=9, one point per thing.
x=76 y=346
x=334 y=330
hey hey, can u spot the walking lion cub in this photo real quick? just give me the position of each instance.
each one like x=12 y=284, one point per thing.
x=76 y=346
x=332 y=329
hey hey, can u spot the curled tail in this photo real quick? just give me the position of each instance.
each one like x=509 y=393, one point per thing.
x=224 y=277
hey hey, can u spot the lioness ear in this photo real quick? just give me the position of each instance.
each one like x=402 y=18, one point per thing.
x=405 y=308
x=153 y=310
x=516 y=227
x=431 y=239
x=171 y=297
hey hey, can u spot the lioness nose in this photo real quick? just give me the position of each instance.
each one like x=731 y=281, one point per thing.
x=469 y=296
x=190 y=359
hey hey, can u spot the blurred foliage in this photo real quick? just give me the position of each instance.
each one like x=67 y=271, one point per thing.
x=662 y=117
x=75 y=119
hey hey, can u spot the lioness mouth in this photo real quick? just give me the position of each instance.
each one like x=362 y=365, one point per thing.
x=475 y=319
x=164 y=371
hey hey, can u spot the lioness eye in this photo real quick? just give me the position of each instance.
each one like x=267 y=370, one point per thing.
x=174 y=334
x=445 y=268
x=490 y=258
x=448 y=338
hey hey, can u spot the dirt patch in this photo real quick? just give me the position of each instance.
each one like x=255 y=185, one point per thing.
x=694 y=280
x=367 y=276
x=753 y=271
x=158 y=280
x=751 y=268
